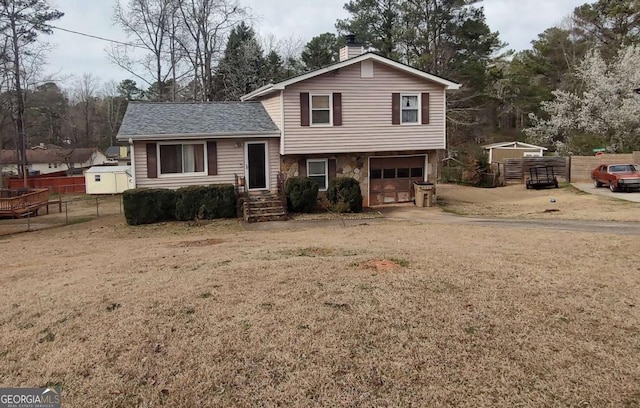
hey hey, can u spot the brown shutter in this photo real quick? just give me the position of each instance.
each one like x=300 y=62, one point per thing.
x=304 y=109
x=332 y=164
x=395 y=109
x=302 y=167
x=337 y=109
x=212 y=158
x=152 y=160
x=425 y=108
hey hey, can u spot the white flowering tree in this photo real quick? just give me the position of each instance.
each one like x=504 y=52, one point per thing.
x=605 y=107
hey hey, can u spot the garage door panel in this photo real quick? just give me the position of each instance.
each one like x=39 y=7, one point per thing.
x=391 y=178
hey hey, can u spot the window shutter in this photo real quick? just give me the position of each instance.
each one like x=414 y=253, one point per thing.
x=425 y=108
x=212 y=158
x=304 y=109
x=332 y=168
x=395 y=109
x=337 y=109
x=152 y=160
x=302 y=167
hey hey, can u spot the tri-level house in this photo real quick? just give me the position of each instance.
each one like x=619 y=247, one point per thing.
x=367 y=117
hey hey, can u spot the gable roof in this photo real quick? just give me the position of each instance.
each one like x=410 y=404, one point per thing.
x=366 y=56
x=170 y=119
x=513 y=145
x=59 y=155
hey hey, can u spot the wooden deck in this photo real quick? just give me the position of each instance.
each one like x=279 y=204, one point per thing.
x=26 y=204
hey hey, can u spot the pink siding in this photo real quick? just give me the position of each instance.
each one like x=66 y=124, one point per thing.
x=273 y=105
x=366 y=114
x=231 y=161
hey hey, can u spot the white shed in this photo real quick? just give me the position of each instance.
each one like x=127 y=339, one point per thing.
x=108 y=179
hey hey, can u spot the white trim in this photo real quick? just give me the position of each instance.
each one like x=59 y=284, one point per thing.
x=282 y=122
x=418 y=109
x=364 y=57
x=328 y=95
x=444 y=122
x=326 y=172
x=133 y=164
x=190 y=174
x=513 y=145
x=267 y=166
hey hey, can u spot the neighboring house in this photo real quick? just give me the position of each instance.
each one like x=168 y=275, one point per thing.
x=108 y=179
x=498 y=152
x=118 y=155
x=49 y=160
x=366 y=117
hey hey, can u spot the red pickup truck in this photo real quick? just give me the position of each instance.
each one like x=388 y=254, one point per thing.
x=618 y=177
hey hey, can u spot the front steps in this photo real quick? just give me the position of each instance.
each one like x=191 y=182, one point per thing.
x=264 y=206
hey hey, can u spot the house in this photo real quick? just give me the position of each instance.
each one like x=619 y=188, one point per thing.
x=118 y=155
x=108 y=179
x=367 y=117
x=50 y=159
x=498 y=152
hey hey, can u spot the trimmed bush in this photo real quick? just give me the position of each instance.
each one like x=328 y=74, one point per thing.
x=206 y=202
x=301 y=193
x=344 y=195
x=146 y=206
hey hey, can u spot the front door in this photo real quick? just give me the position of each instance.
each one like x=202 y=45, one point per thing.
x=256 y=165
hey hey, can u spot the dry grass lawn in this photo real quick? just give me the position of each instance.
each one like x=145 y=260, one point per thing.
x=515 y=201
x=381 y=313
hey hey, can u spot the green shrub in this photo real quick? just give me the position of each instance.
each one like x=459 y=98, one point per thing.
x=146 y=206
x=301 y=193
x=206 y=202
x=344 y=195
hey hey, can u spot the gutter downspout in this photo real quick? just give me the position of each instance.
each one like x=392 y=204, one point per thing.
x=133 y=162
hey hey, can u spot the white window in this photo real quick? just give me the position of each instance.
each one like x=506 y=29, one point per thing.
x=96 y=177
x=410 y=110
x=321 y=110
x=317 y=170
x=182 y=158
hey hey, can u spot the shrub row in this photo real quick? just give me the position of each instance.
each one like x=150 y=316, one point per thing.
x=146 y=206
x=343 y=194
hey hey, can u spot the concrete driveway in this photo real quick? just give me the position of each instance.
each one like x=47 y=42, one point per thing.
x=604 y=191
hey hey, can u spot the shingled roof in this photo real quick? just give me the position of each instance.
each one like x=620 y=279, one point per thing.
x=153 y=119
x=59 y=155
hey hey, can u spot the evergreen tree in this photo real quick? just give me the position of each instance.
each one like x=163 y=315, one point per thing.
x=321 y=51
x=240 y=69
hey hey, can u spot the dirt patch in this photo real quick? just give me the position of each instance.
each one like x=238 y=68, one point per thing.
x=199 y=243
x=383 y=265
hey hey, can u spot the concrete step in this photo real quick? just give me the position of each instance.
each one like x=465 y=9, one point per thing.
x=267 y=210
x=268 y=217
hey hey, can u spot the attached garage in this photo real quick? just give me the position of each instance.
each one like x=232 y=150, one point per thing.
x=391 y=178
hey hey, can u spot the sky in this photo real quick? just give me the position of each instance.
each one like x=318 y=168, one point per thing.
x=518 y=21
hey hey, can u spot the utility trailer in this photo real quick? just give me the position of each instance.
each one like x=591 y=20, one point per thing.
x=541 y=177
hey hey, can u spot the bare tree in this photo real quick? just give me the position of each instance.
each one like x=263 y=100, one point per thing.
x=152 y=25
x=84 y=96
x=206 y=24
x=21 y=21
x=113 y=107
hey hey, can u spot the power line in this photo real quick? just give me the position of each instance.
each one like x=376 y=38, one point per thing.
x=98 y=37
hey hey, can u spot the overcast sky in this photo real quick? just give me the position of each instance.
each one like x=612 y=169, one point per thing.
x=518 y=21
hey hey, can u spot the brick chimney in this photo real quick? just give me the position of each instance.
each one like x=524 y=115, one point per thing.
x=352 y=49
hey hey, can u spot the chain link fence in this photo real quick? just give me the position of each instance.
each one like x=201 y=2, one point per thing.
x=64 y=210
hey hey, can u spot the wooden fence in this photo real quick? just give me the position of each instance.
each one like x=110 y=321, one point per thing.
x=581 y=166
x=60 y=185
x=517 y=170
